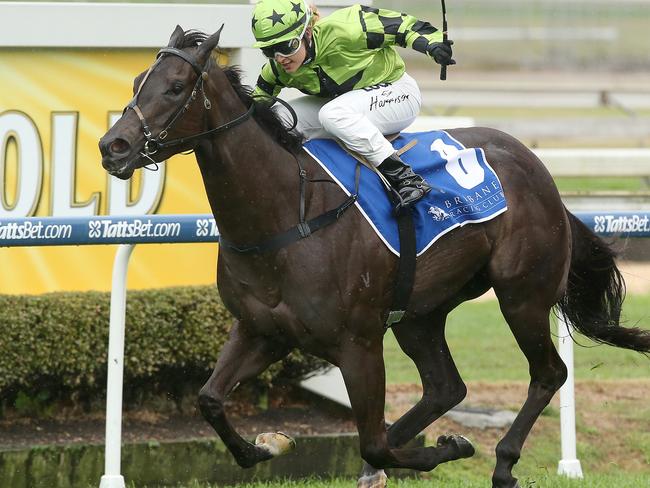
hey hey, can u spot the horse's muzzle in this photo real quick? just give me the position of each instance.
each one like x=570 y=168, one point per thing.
x=117 y=155
x=120 y=169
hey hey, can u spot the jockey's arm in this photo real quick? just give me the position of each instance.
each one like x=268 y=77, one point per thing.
x=398 y=29
x=268 y=82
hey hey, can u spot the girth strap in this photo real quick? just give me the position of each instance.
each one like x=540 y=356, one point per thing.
x=406 y=233
x=405 y=267
x=407 y=256
x=303 y=228
x=299 y=231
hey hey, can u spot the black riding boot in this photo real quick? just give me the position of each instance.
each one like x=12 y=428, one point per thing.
x=410 y=186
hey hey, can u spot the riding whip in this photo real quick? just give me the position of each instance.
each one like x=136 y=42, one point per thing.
x=443 y=67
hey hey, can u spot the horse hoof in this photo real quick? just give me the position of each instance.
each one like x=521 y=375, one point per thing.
x=516 y=485
x=461 y=446
x=275 y=443
x=375 y=480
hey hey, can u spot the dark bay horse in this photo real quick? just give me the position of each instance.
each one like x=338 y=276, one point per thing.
x=328 y=294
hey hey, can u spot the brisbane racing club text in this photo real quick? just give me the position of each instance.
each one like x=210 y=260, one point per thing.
x=478 y=201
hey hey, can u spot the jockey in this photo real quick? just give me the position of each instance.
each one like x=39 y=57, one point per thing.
x=355 y=81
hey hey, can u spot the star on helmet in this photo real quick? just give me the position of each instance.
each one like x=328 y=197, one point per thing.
x=276 y=18
x=296 y=7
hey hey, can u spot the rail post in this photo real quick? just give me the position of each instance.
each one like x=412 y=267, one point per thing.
x=112 y=477
x=569 y=464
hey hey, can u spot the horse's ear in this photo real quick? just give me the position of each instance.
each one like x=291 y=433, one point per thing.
x=210 y=43
x=177 y=37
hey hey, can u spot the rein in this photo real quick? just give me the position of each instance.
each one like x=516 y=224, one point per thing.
x=154 y=144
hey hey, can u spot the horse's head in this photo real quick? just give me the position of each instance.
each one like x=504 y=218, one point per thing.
x=164 y=113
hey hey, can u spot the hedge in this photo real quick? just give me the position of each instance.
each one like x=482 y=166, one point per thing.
x=57 y=343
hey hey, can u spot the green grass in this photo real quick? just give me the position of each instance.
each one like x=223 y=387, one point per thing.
x=543 y=481
x=599 y=184
x=479 y=327
x=536 y=469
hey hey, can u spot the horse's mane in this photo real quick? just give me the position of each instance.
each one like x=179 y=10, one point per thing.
x=265 y=116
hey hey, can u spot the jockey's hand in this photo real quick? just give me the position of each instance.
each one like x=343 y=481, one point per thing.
x=441 y=52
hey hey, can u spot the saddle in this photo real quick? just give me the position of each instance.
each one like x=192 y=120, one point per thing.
x=467 y=190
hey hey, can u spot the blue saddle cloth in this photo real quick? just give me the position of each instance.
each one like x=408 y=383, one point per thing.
x=465 y=187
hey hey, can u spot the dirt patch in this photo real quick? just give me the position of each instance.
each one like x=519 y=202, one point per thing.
x=637 y=276
x=609 y=411
x=288 y=410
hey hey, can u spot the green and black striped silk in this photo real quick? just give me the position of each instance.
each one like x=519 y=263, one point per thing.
x=353 y=48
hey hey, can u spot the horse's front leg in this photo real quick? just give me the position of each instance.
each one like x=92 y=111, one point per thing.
x=242 y=357
x=362 y=366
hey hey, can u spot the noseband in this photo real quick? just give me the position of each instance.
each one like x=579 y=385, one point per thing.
x=154 y=144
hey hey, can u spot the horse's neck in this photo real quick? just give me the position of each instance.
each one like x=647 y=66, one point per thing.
x=251 y=182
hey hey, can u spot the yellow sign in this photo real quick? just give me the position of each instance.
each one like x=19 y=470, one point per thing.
x=55 y=104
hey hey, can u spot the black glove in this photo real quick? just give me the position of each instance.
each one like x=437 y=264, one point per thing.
x=441 y=52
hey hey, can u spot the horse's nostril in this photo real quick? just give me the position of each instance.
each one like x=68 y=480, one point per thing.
x=119 y=146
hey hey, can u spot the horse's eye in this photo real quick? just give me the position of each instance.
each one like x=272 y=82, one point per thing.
x=177 y=88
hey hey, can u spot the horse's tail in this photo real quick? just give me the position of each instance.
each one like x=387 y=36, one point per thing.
x=595 y=292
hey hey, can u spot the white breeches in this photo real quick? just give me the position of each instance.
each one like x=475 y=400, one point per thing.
x=360 y=118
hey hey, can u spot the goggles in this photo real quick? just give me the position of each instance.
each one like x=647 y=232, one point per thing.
x=286 y=48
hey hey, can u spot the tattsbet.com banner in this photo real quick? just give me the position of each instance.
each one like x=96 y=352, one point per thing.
x=68 y=231
x=55 y=104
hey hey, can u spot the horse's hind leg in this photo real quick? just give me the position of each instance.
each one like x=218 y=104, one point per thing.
x=242 y=357
x=362 y=366
x=529 y=322
x=424 y=342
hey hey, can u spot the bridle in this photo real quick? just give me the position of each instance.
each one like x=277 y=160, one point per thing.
x=155 y=144
x=304 y=228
